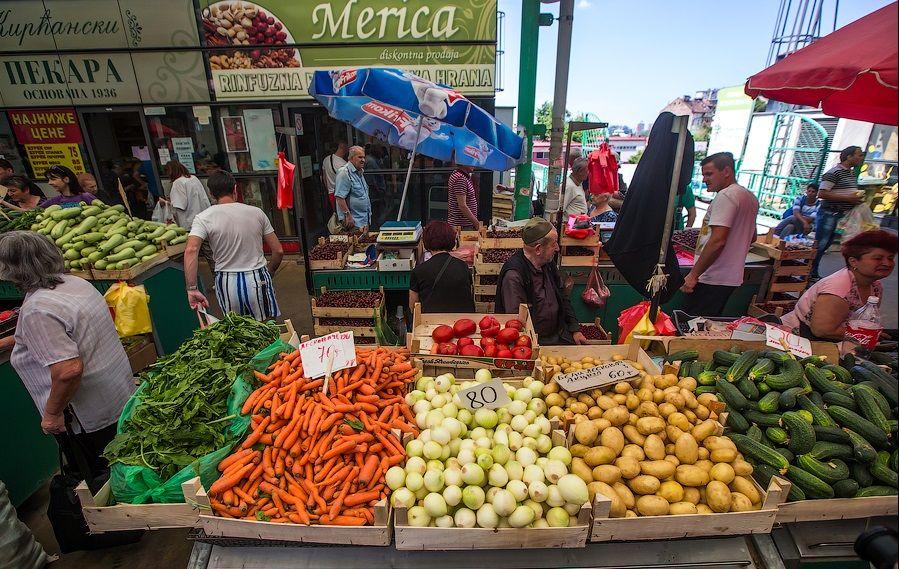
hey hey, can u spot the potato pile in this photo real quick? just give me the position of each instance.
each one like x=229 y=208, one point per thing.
x=651 y=447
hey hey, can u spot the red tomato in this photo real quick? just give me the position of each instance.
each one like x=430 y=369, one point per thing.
x=488 y=322
x=507 y=336
x=522 y=353
x=471 y=350
x=443 y=334
x=464 y=327
x=515 y=324
x=504 y=353
x=491 y=331
x=448 y=349
x=487 y=341
x=490 y=351
x=464 y=342
x=523 y=341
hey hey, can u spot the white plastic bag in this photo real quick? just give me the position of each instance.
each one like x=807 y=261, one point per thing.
x=162 y=213
x=856 y=221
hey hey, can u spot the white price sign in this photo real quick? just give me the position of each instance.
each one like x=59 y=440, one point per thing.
x=488 y=395
x=783 y=340
x=316 y=352
x=598 y=376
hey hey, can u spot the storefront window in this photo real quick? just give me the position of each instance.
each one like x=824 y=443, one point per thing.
x=880 y=168
x=250 y=141
x=261 y=192
x=180 y=135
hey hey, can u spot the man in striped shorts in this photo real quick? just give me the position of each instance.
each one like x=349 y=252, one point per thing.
x=236 y=233
x=838 y=192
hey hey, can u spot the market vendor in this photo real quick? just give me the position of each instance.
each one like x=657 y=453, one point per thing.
x=800 y=218
x=64 y=181
x=824 y=309
x=443 y=282
x=67 y=350
x=24 y=194
x=462 y=203
x=530 y=277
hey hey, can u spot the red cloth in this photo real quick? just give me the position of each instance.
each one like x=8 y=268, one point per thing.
x=285 y=182
x=850 y=73
x=602 y=167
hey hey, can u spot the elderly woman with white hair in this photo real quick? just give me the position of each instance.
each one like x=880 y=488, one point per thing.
x=574 y=202
x=66 y=349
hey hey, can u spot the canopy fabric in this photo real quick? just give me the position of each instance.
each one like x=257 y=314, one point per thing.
x=851 y=73
x=387 y=104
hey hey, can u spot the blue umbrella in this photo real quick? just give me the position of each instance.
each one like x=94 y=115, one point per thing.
x=402 y=109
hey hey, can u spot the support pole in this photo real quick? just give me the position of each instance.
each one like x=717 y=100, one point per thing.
x=399 y=214
x=527 y=91
x=560 y=100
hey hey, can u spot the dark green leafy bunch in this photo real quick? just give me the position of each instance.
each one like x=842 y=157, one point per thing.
x=19 y=220
x=183 y=409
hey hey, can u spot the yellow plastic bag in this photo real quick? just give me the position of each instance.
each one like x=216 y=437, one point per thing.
x=130 y=309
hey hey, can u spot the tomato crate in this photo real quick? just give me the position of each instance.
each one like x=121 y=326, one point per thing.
x=347 y=312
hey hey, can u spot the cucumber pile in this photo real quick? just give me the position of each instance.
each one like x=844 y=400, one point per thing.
x=831 y=430
x=104 y=237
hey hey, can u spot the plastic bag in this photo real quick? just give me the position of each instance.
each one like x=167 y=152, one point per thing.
x=597 y=292
x=162 y=213
x=856 y=221
x=286 y=172
x=141 y=485
x=635 y=321
x=130 y=309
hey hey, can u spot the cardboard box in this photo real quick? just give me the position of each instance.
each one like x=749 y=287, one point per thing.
x=142 y=354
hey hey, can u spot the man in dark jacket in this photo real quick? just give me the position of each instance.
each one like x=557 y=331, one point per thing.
x=530 y=277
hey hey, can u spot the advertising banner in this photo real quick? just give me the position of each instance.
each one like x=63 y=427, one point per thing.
x=730 y=121
x=50 y=136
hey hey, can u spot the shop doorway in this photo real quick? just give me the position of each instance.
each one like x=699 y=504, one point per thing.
x=119 y=149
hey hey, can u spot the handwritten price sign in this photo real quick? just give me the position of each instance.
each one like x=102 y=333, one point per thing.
x=488 y=395
x=316 y=352
x=782 y=340
x=599 y=376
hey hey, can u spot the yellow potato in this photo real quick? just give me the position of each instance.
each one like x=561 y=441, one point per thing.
x=686 y=450
x=658 y=397
x=680 y=421
x=630 y=514
x=550 y=387
x=705 y=465
x=631 y=401
x=617 y=507
x=672 y=459
x=682 y=508
x=617 y=416
x=702 y=413
x=620 y=398
x=633 y=451
x=660 y=469
x=628 y=467
x=586 y=432
x=650 y=425
x=554 y=399
x=707 y=398
x=689 y=475
x=599 y=455
x=594 y=413
x=645 y=394
x=740 y=503
x=703 y=453
x=745 y=486
x=672 y=433
x=689 y=398
x=741 y=467
x=622 y=387
x=718 y=496
x=723 y=455
x=606 y=403
x=633 y=435
x=625 y=494
x=676 y=399
x=606 y=473
x=691 y=416
x=580 y=469
x=578 y=407
x=703 y=509
x=715 y=442
x=722 y=472
x=687 y=383
x=578 y=450
x=644 y=484
x=705 y=429
x=647 y=409
x=667 y=409
x=691 y=495
x=671 y=491
x=652 y=506
x=654 y=447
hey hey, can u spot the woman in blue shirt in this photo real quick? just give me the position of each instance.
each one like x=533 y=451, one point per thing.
x=801 y=218
x=602 y=212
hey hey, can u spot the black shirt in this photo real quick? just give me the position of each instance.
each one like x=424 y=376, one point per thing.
x=452 y=293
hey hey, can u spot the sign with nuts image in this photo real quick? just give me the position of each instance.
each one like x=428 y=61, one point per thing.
x=265 y=65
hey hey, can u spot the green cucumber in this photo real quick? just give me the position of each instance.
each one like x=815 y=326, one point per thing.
x=818 y=378
x=788 y=398
x=762 y=419
x=723 y=357
x=846 y=488
x=802 y=436
x=809 y=418
x=707 y=378
x=876 y=491
x=737 y=422
x=819 y=415
x=740 y=368
x=816 y=398
x=813 y=486
x=882 y=472
x=817 y=361
x=86 y=251
x=878 y=397
x=762 y=367
x=753 y=432
x=758 y=451
x=789 y=376
x=834 y=398
x=860 y=473
x=840 y=373
x=764 y=473
x=894 y=460
x=705 y=389
x=95 y=257
x=747 y=388
x=732 y=396
x=770 y=403
x=777 y=435
x=763 y=388
x=785 y=452
x=682 y=355
x=871 y=432
x=824 y=450
x=862 y=450
x=869 y=408
x=830 y=472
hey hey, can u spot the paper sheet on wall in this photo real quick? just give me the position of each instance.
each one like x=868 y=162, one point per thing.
x=184 y=150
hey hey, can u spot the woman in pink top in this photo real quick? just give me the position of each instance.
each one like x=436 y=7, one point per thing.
x=824 y=309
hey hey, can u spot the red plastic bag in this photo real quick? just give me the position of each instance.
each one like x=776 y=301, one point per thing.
x=285 y=182
x=635 y=320
x=603 y=170
x=597 y=292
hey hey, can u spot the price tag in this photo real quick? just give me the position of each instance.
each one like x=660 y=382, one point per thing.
x=599 y=376
x=783 y=340
x=488 y=395
x=316 y=352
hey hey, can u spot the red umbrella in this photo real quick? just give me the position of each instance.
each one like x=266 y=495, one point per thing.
x=850 y=73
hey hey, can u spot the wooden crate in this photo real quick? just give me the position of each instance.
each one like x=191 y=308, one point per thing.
x=104 y=515
x=480 y=288
x=498 y=242
x=781 y=307
x=833 y=509
x=590 y=241
x=484 y=307
x=439 y=539
x=332 y=264
x=86 y=274
x=175 y=250
x=131 y=272
x=482 y=268
x=344 y=312
x=632 y=352
x=378 y=534
x=358 y=331
x=579 y=260
x=419 y=340
x=601 y=342
x=707 y=346
x=772 y=246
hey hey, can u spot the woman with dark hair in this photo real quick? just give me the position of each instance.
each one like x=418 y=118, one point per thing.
x=824 y=309
x=443 y=282
x=65 y=182
x=187 y=196
x=24 y=194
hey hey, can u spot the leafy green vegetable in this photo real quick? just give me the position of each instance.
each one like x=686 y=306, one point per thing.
x=183 y=407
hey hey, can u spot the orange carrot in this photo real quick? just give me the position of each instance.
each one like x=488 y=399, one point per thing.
x=360 y=498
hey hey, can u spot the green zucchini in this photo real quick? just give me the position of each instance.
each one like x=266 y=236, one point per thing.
x=737 y=422
x=777 y=435
x=818 y=378
x=121 y=255
x=762 y=367
x=846 y=488
x=840 y=373
x=819 y=415
x=861 y=448
x=731 y=395
x=723 y=357
x=111 y=243
x=145 y=251
x=824 y=450
x=788 y=398
x=871 y=432
x=680 y=355
x=707 y=378
x=834 y=398
x=802 y=436
x=747 y=388
x=869 y=407
x=876 y=491
x=68 y=213
x=830 y=472
x=789 y=376
x=759 y=452
x=770 y=403
x=882 y=472
x=813 y=486
x=59 y=228
x=860 y=473
x=740 y=368
x=762 y=419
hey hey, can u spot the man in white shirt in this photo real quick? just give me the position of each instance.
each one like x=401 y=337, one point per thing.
x=236 y=232
x=575 y=200
x=728 y=231
x=330 y=165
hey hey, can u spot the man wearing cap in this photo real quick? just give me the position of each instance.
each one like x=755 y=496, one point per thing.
x=530 y=277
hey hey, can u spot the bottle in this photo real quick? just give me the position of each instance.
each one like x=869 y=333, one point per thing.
x=864 y=325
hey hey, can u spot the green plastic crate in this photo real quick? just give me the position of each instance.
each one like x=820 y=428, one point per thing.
x=361 y=280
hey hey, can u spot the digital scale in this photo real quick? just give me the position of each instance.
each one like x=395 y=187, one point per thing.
x=398 y=233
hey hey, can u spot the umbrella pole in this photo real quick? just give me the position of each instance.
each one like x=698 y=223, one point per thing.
x=399 y=214
x=657 y=282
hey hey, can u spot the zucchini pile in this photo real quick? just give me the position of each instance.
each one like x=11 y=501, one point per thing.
x=829 y=429
x=104 y=237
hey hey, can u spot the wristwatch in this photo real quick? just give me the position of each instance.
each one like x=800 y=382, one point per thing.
x=192 y=287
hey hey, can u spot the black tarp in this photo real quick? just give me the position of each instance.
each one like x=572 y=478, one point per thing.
x=636 y=240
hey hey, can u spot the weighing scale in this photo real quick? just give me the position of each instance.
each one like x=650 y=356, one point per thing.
x=398 y=233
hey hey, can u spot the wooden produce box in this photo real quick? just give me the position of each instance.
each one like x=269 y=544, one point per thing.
x=605 y=341
x=590 y=241
x=484 y=307
x=175 y=250
x=104 y=515
x=439 y=539
x=484 y=289
x=332 y=264
x=404 y=262
x=833 y=509
x=498 y=242
x=632 y=352
x=482 y=268
x=378 y=534
x=707 y=346
x=85 y=274
x=358 y=331
x=781 y=307
x=772 y=246
x=419 y=340
x=568 y=260
x=131 y=272
x=346 y=312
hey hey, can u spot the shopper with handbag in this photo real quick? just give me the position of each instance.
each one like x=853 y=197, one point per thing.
x=443 y=282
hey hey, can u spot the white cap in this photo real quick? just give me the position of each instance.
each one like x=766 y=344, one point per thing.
x=873 y=300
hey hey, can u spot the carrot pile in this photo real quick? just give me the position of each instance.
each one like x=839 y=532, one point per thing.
x=315 y=457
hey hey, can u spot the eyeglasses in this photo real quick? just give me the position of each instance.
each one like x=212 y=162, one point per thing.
x=56 y=172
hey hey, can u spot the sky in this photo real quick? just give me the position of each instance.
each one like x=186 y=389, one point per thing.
x=629 y=58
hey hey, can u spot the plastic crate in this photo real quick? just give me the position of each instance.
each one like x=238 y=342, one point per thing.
x=361 y=280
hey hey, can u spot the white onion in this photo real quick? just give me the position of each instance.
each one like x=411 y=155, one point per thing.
x=452 y=495
x=482 y=375
x=554 y=497
x=515 y=440
x=544 y=444
x=518 y=489
x=540 y=523
x=538 y=508
x=465 y=518
x=535 y=386
x=416 y=464
x=473 y=497
x=432 y=450
x=395 y=477
x=557 y=518
x=472 y=474
x=435 y=505
x=487 y=517
x=465 y=416
x=530 y=442
x=523 y=394
x=434 y=418
x=442 y=383
x=497 y=476
x=422 y=383
x=439 y=401
x=503 y=503
x=517 y=407
x=465 y=456
x=572 y=509
x=435 y=465
x=501 y=454
x=573 y=489
x=538 y=491
x=414 y=448
x=477 y=433
x=485 y=459
x=414 y=481
x=452 y=476
x=486 y=418
x=526 y=456
x=402 y=498
x=434 y=480
x=561 y=454
x=450 y=410
x=554 y=470
x=532 y=430
x=444 y=522
x=519 y=423
x=514 y=469
x=521 y=516
x=422 y=406
x=441 y=435
x=533 y=472
x=418 y=517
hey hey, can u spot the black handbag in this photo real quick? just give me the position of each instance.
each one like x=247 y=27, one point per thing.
x=64 y=508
